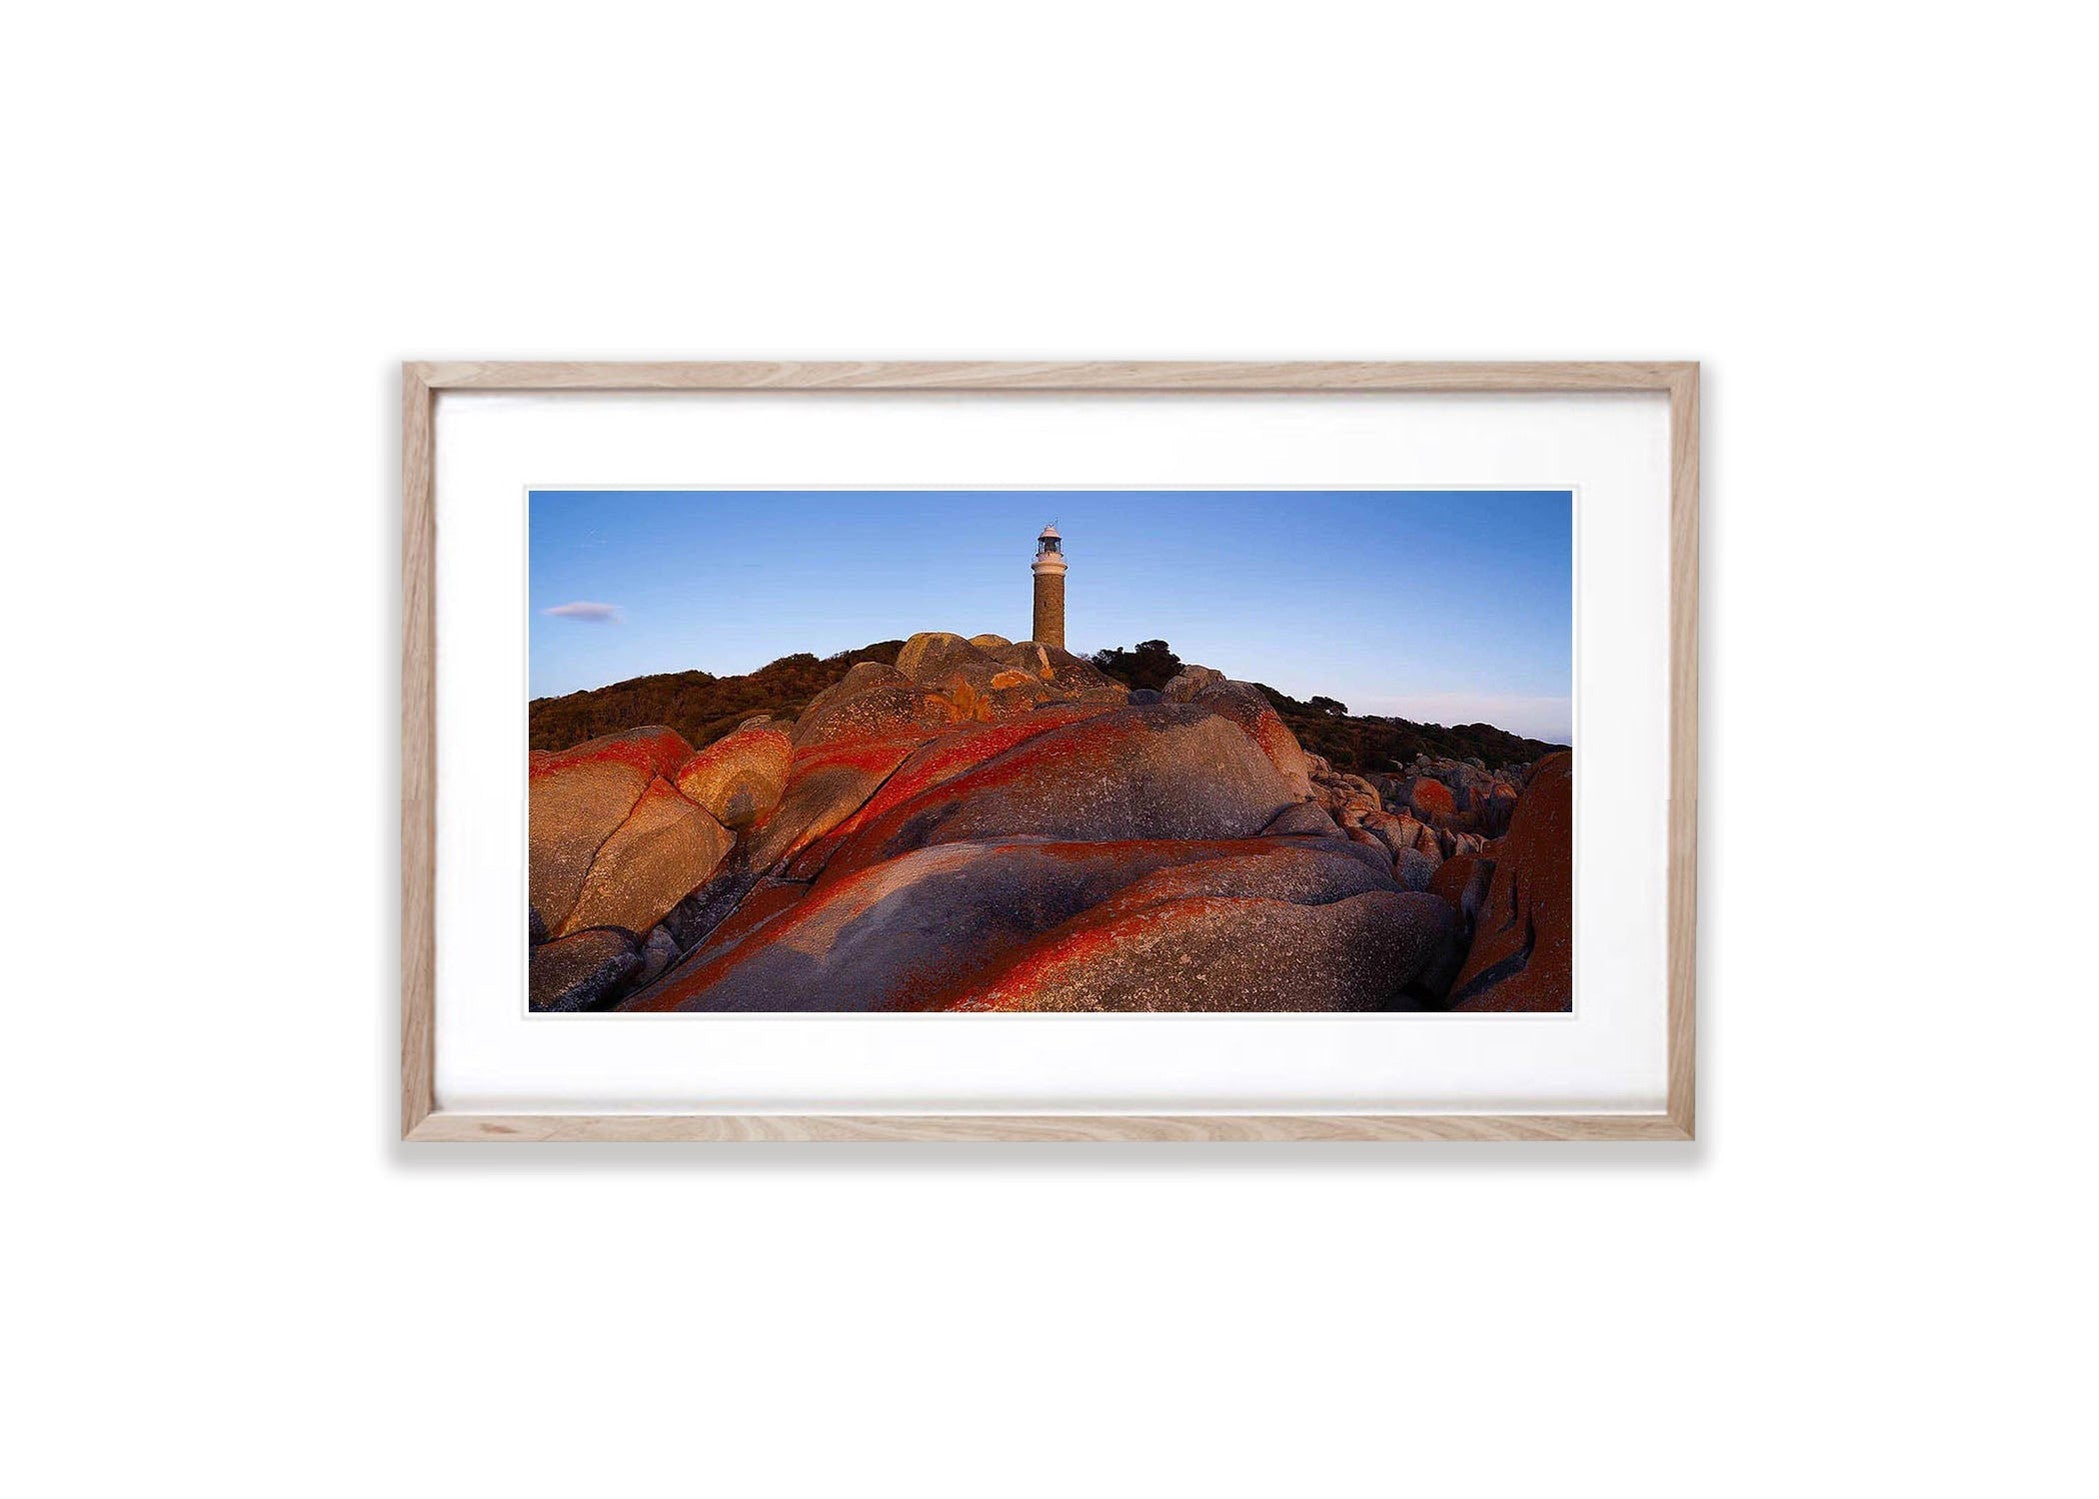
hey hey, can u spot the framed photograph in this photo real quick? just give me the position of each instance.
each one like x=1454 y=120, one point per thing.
x=1049 y=751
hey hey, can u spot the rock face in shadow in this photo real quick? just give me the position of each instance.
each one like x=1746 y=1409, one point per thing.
x=825 y=786
x=998 y=826
x=1522 y=953
x=582 y=971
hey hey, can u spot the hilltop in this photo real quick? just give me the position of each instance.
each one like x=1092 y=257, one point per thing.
x=703 y=708
x=699 y=705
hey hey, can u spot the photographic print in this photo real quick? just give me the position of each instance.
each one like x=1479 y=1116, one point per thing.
x=1012 y=751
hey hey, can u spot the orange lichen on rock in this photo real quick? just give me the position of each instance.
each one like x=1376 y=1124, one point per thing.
x=872 y=701
x=825 y=785
x=767 y=900
x=1253 y=869
x=653 y=751
x=1246 y=705
x=1432 y=801
x=740 y=777
x=1228 y=953
x=576 y=799
x=1522 y=955
x=950 y=754
x=1451 y=877
x=924 y=929
x=1155 y=771
x=989 y=685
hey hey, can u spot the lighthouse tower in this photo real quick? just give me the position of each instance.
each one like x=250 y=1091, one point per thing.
x=1049 y=588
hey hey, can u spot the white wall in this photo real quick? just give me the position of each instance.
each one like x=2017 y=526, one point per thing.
x=230 y=223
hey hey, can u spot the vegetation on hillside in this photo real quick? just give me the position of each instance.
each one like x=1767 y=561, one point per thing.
x=1148 y=663
x=699 y=705
x=704 y=707
x=1370 y=744
x=1364 y=745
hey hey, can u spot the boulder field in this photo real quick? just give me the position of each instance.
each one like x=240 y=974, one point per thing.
x=990 y=825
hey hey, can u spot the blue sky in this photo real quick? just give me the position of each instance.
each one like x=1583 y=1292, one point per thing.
x=1444 y=606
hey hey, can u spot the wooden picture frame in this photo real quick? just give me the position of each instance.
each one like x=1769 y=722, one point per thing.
x=422 y=1120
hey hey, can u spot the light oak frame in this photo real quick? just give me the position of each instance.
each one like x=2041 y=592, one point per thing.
x=421 y=383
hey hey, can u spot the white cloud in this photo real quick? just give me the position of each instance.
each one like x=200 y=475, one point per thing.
x=596 y=614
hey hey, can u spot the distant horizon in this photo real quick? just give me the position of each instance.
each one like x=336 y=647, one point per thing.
x=1437 y=606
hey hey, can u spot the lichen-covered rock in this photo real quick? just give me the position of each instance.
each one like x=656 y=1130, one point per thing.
x=1368 y=852
x=1303 y=873
x=1190 y=681
x=653 y=751
x=1455 y=880
x=1384 y=827
x=1456 y=844
x=1307 y=819
x=928 y=648
x=872 y=701
x=1247 y=706
x=658 y=951
x=576 y=798
x=1074 y=677
x=1461 y=883
x=825 y=786
x=981 y=687
x=989 y=642
x=1171 y=771
x=582 y=971
x=1349 y=798
x=1522 y=955
x=940 y=759
x=1228 y=953
x=1432 y=802
x=665 y=849
x=739 y=777
x=1407 y=831
x=1413 y=869
x=766 y=898
x=925 y=929
x=1494 y=807
x=1022 y=655
x=1480 y=801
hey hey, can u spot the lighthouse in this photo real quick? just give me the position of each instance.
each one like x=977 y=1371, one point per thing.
x=1049 y=588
